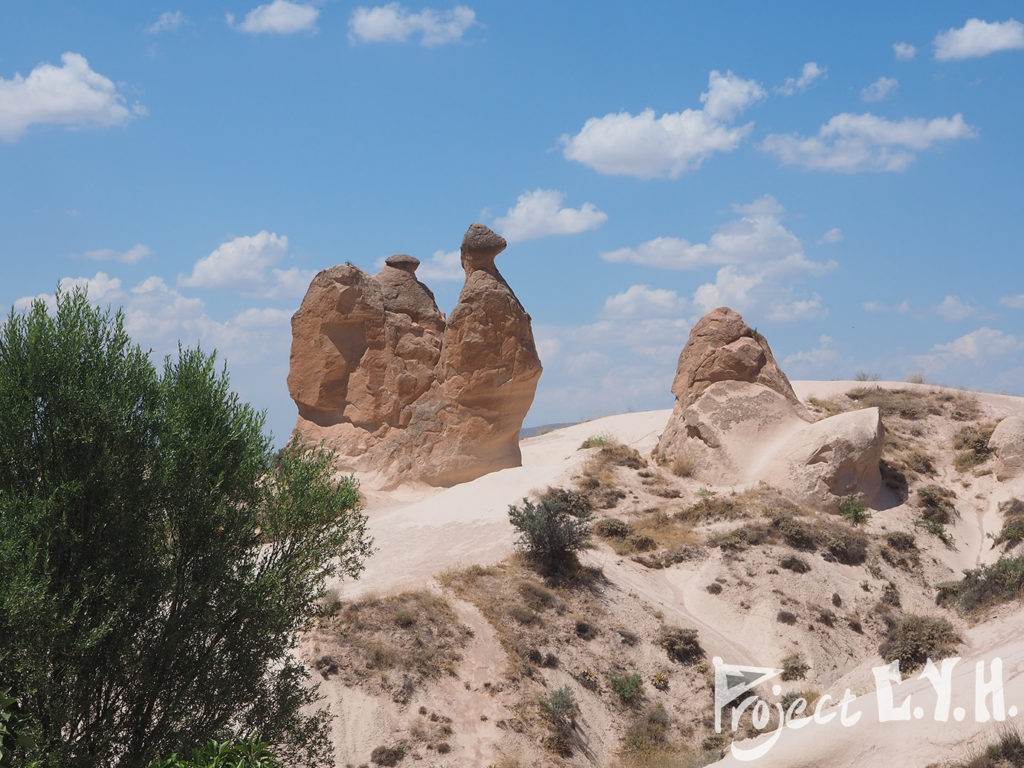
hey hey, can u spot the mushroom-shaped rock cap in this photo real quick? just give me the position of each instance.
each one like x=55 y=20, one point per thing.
x=403 y=262
x=479 y=247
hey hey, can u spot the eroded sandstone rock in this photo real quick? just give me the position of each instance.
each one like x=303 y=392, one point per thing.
x=399 y=393
x=1007 y=441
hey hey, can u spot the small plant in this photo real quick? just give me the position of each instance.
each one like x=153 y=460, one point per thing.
x=865 y=376
x=571 y=502
x=559 y=706
x=714 y=588
x=612 y=528
x=936 y=529
x=682 y=466
x=793 y=667
x=914 y=639
x=853 y=510
x=971 y=442
x=901 y=541
x=937 y=504
x=215 y=754
x=795 y=564
x=602 y=440
x=786 y=617
x=629 y=687
x=588 y=679
x=660 y=681
x=549 y=536
x=681 y=644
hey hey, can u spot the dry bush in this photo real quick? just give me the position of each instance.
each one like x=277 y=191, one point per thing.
x=1012 y=532
x=937 y=504
x=912 y=640
x=971 y=444
x=413 y=633
x=681 y=645
x=793 y=667
x=682 y=466
x=980 y=588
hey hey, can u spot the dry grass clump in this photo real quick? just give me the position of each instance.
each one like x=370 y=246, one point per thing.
x=906 y=404
x=971 y=444
x=912 y=640
x=1007 y=752
x=794 y=667
x=525 y=611
x=836 y=542
x=681 y=644
x=414 y=634
x=1012 y=532
x=937 y=504
x=649 y=742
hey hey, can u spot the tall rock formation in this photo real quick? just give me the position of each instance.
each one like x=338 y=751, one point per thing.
x=737 y=420
x=399 y=393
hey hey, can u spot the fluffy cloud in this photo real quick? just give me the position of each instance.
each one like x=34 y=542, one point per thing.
x=392 y=23
x=1013 y=302
x=834 y=235
x=810 y=72
x=879 y=89
x=758 y=237
x=644 y=301
x=442 y=266
x=904 y=51
x=953 y=308
x=820 y=359
x=133 y=255
x=248 y=265
x=759 y=261
x=168 y=22
x=877 y=306
x=980 y=345
x=978 y=38
x=677 y=142
x=71 y=94
x=280 y=17
x=851 y=143
x=537 y=214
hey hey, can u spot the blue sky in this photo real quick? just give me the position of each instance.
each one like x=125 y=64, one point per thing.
x=848 y=177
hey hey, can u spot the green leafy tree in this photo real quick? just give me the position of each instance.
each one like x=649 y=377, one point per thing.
x=548 y=533
x=157 y=561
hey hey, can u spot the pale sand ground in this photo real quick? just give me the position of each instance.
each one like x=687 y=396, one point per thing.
x=420 y=532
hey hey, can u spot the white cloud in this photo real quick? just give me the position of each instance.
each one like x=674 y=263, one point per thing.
x=537 y=214
x=280 y=17
x=443 y=265
x=982 y=344
x=758 y=238
x=978 y=38
x=815 y=359
x=1013 y=302
x=677 y=142
x=953 y=308
x=168 y=22
x=392 y=23
x=133 y=255
x=71 y=94
x=877 y=306
x=644 y=301
x=810 y=72
x=904 y=51
x=879 y=89
x=102 y=289
x=851 y=143
x=834 y=235
x=248 y=265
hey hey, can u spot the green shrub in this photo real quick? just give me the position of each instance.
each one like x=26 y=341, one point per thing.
x=559 y=706
x=912 y=640
x=1012 y=532
x=853 y=510
x=936 y=529
x=612 y=528
x=597 y=441
x=847 y=546
x=681 y=644
x=795 y=533
x=629 y=687
x=224 y=754
x=549 y=536
x=1000 y=582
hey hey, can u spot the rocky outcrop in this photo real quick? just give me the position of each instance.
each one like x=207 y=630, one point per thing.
x=737 y=420
x=1007 y=442
x=399 y=393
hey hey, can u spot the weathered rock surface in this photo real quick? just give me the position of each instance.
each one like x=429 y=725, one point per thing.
x=1007 y=442
x=399 y=393
x=737 y=420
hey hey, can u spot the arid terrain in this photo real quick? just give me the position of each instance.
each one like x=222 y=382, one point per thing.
x=450 y=650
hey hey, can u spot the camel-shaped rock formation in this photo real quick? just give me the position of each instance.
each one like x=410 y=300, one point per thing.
x=398 y=392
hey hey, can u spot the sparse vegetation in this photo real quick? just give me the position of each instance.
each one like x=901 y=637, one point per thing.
x=983 y=587
x=568 y=501
x=936 y=529
x=630 y=688
x=1007 y=752
x=786 y=617
x=597 y=441
x=795 y=564
x=1012 y=532
x=971 y=444
x=793 y=667
x=901 y=541
x=936 y=504
x=250 y=753
x=681 y=645
x=612 y=528
x=912 y=640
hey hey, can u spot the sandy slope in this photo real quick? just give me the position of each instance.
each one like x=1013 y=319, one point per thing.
x=420 y=532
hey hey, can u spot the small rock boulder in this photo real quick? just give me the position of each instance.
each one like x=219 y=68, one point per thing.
x=1007 y=442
